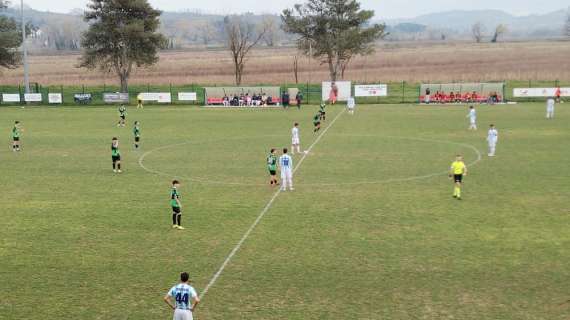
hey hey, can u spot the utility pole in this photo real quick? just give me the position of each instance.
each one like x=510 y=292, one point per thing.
x=25 y=50
x=310 y=70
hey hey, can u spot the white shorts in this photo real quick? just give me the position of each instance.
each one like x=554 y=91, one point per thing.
x=295 y=141
x=180 y=314
x=286 y=174
x=472 y=121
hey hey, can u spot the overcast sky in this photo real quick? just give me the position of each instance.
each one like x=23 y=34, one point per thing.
x=383 y=8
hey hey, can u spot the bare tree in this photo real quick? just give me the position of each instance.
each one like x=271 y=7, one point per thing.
x=241 y=37
x=296 y=68
x=271 y=29
x=499 y=30
x=207 y=32
x=477 y=30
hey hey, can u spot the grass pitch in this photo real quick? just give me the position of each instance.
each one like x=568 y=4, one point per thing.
x=371 y=231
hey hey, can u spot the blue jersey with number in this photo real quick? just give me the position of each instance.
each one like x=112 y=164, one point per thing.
x=183 y=295
x=286 y=162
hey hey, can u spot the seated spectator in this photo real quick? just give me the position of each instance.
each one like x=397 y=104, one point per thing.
x=226 y=101
x=451 y=97
x=474 y=96
x=248 y=99
x=468 y=97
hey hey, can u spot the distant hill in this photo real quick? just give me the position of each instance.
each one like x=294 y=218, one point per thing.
x=532 y=26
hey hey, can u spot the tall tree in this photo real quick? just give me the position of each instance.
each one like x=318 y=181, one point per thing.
x=333 y=31
x=241 y=37
x=477 y=31
x=499 y=31
x=206 y=32
x=10 y=40
x=269 y=25
x=567 y=25
x=122 y=34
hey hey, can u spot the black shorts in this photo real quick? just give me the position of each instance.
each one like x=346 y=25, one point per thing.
x=458 y=178
x=176 y=210
x=16 y=139
x=123 y=117
x=272 y=172
x=137 y=139
x=116 y=158
x=317 y=124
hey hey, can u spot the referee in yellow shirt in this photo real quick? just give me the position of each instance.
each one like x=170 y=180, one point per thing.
x=457 y=171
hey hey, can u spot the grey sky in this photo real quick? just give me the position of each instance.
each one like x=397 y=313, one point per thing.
x=383 y=8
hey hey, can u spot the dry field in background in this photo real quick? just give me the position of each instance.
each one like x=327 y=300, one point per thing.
x=391 y=62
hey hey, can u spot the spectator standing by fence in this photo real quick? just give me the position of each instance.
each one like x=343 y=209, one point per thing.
x=285 y=99
x=299 y=98
x=427 y=96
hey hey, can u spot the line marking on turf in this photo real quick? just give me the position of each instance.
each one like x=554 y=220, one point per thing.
x=263 y=212
x=356 y=183
x=196 y=179
x=478 y=159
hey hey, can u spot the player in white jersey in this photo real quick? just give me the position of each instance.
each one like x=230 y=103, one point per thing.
x=350 y=105
x=550 y=108
x=185 y=299
x=472 y=118
x=286 y=166
x=492 y=139
x=295 y=141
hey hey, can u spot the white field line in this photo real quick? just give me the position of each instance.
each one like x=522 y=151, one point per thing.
x=262 y=213
x=478 y=159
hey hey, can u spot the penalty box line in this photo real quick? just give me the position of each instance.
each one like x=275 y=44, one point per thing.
x=263 y=212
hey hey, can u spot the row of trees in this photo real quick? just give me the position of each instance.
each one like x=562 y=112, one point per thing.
x=124 y=34
x=478 y=31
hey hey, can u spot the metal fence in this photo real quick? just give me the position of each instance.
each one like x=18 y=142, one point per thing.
x=398 y=92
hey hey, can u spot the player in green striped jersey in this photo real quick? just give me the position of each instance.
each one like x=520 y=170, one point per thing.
x=176 y=206
x=272 y=167
x=116 y=155
x=16 y=136
x=317 y=122
x=137 y=134
x=322 y=111
x=122 y=116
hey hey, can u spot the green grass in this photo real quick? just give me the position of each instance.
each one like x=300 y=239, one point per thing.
x=355 y=240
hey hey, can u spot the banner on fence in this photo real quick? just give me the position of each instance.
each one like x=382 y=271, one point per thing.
x=187 y=96
x=371 y=90
x=341 y=89
x=33 y=97
x=162 y=97
x=539 y=92
x=55 y=98
x=11 y=97
x=83 y=98
x=116 y=97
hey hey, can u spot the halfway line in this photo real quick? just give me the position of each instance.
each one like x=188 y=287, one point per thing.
x=262 y=214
